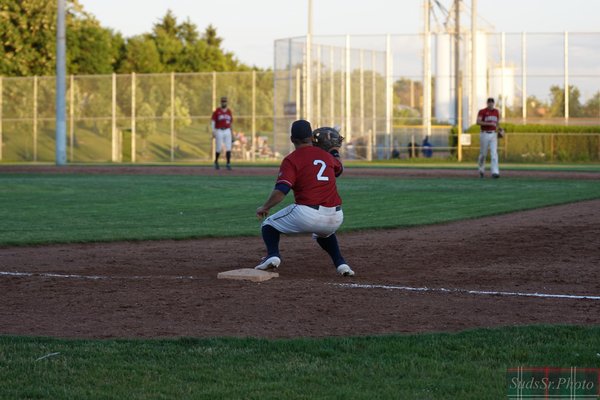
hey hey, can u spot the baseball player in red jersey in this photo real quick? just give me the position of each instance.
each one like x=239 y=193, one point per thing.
x=489 y=120
x=221 y=127
x=311 y=173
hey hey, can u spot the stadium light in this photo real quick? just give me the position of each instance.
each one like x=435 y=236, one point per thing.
x=61 y=123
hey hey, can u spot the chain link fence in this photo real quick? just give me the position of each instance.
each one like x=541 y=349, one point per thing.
x=370 y=86
x=374 y=88
x=141 y=118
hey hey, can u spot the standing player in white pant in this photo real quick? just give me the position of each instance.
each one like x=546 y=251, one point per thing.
x=221 y=128
x=488 y=119
x=310 y=171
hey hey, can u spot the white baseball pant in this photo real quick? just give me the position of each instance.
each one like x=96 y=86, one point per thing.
x=223 y=137
x=296 y=218
x=488 y=139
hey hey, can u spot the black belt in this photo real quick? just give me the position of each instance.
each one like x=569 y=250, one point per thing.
x=337 y=208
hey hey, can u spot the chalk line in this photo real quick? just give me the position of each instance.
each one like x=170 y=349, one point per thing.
x=467 y=291
x=89 y=277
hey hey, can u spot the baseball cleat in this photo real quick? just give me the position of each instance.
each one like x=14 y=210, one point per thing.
x=229 y=167
x=268 y=263
x=495 y=176
x=481 y=175
x=345 y=270
x=217 y=165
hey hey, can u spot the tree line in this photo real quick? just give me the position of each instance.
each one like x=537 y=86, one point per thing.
x=28 y=35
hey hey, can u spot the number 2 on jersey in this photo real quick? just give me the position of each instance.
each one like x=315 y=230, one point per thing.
x=320 y=176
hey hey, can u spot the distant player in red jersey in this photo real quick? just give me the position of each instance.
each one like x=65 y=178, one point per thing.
x=311 y=173
x=489 y=119
x=221 y=128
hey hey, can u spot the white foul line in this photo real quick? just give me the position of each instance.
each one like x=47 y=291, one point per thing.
x=467 y=291
x=91 y=277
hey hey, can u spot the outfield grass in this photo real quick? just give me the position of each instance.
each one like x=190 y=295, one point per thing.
x=419 y=163
x=37 y=209
x=467 y=365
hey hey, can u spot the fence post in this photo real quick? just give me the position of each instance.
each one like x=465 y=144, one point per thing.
x=373 y=138
x=566 y=76
x=253 y=148
x=331 y=88
x=426 y=72
x=552 y=147
x=304 y=89
x=1 y=106
x=298 y=88
x=115 y=139
x=524 y=75
x=362 y=92
x=388 y=93
x=214 y=106
x=172 y=116
x=503 y=74
x=459 y=121
x=319 y=89
x=133 y=133
x=35 y=130
x=308 y=98
x=342 y=120
x=72 y=118
x=348 y=122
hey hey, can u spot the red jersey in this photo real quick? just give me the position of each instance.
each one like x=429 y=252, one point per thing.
x=488 y=115
x=222 y=118
x=310 y=172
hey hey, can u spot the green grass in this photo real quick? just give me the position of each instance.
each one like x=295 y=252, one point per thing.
x=429 y=163
x=467 y=365
x=37 y=209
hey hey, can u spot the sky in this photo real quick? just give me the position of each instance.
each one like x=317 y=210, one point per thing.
x=249 y=28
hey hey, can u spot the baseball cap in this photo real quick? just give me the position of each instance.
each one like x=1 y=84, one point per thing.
x=490 y=99
x=301 y=129
x=223 y=99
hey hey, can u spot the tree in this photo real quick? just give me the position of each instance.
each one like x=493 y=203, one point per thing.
x=92 y=49
x=536 y=107
x=211 y=38
x=557 y=101
x=27 y=32
x=591 y=109
x=141 y=55
x=166 y=37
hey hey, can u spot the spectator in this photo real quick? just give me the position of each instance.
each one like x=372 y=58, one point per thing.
x=413 y=147
x=427 y=148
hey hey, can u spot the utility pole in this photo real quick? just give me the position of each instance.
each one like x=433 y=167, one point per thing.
x=456 y=56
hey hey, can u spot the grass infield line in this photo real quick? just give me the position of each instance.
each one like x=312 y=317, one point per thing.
x=466 y=291
x=344 y=285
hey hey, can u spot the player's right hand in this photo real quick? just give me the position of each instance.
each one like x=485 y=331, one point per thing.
x=262 y=212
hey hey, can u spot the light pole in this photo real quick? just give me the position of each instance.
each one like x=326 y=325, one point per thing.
x=61 y=72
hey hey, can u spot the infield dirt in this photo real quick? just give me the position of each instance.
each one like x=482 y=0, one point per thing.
x=170 y=288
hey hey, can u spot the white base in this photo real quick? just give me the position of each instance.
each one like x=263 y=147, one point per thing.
x=248 y=274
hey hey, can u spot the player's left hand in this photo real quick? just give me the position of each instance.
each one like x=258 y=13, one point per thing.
x=262 y=212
